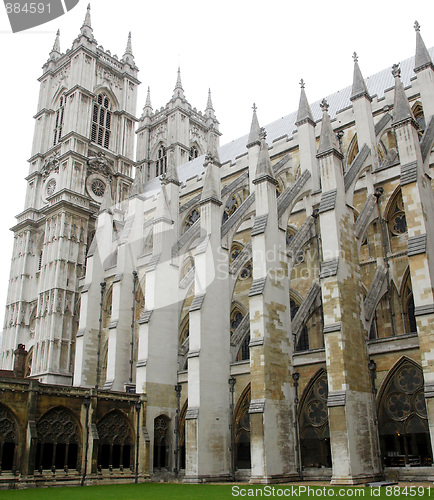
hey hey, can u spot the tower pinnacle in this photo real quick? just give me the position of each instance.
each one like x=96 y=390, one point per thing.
x=255 y=129
x=401 y=107
x=359 y=86
x=422 y=58
x=178 y=90
x=304 y=111
x=55 y=51
x=128 y=55
x=86 y=28
x=327 y=142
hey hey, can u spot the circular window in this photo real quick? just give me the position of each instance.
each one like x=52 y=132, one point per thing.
x=98 y=188
x=51 y=187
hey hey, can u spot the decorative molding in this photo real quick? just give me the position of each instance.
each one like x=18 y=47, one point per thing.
x=113 y=324
x=257 y=406
x=408 y=173
x=259 y=225
x=99 y=164
x=257 y=287
x=329 y=268
x=256 y=342
x=145 y=317
x=424 y=310
x=118 y=278
x=328 y=201
x=194 y=353
x=192 y=414
x=336 y=398
x=141 y=363
x=80 y=333
x=196 y=305
x=429 y=390
x=333 y=327
x=416 y=245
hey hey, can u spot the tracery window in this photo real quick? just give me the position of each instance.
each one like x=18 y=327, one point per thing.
x=161 y=163
x=115 y=441
x=314 y=425
x=58 y=440
x=58 y=125
x=408 y=306
x=161 y=442
x=402 y=415
x=8 y=439
x=246 y=271
x=233 y=203
x=397 y=221
x=101 y=121
x=241 y=423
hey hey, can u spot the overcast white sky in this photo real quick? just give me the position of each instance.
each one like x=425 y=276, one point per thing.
x=246 y=51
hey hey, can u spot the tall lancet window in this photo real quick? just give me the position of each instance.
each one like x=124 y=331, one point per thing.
x=101 y=121
x=161 y=166
x=58 y=125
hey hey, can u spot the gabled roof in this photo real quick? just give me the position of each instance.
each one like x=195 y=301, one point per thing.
x=377 y=85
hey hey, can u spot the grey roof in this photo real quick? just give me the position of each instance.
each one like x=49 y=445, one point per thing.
x=377 y=85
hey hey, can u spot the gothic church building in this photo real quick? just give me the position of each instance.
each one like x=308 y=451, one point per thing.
x=261 y=310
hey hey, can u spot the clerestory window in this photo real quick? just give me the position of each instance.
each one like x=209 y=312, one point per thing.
x=58 y=126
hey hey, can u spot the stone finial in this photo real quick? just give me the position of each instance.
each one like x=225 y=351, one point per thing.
x=355 y=57
x=55 y=51
x=416 y=26
x=262 y=134
x=264 y=170
x=255 y=130
x=396 y=71
x=324 y=105
x=302 y=83
x=209 y=105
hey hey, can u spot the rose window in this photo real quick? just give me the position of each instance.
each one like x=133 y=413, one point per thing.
x=51 y=186
x=98 y=188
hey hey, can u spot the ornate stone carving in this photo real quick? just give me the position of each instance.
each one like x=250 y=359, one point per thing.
x=99 y=164
x=51 y=164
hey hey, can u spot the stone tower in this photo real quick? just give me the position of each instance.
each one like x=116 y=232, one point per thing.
x=176 y=130
x=82 y=149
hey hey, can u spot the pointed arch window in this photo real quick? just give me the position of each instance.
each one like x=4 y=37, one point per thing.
x=101 y=121
x=241 y=425
x=58 y=125
x=408 y=306
x=314 y=424
x=402 y=415
x=8 y=439
x=59 y=440
x=161 y=442
x=420 y=118
x=161 y=164
x=397 y=220
x=115 y=441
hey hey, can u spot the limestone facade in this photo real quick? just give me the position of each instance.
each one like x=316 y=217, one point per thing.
x=270 y=301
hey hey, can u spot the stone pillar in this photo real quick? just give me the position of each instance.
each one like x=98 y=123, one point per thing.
x=272 y=395
x=350 y=404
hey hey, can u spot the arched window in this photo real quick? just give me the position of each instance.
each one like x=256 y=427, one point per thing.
x=410 y=324
x=235 y=250
x=402 y=417
x=353 y=150
x=191 y=218
x=58 y=125
x=194 y=153
x=59 y=439
x=161 y=442
x=420 y=118
x=161 y=164
x=181 y=436
x=101 y=121
x=233 y=203
x=314 y=424
x=396 y=216
x=115 y=441
x=303 y=341
x=241 y=425
x=8 y=439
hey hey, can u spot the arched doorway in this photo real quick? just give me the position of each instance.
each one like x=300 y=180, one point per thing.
x=402 y=417
x=242 y=430
x=161 y=442
x=115 y=441
x=8 y=439
x=314 y=423
x=59 y=440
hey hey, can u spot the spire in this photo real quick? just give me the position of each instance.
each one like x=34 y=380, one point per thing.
x=263 y=169
x=209 y=111
x=327 y=141
x=128 y=55
x=211 y=188
x=401 y=107
x=255 y=130
x=107 y=201
x=55 y=51
x=86 y=29
x=178 y=90
x=147 y=108
x=422 y=58
x=359 y=86
x=304 y=112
